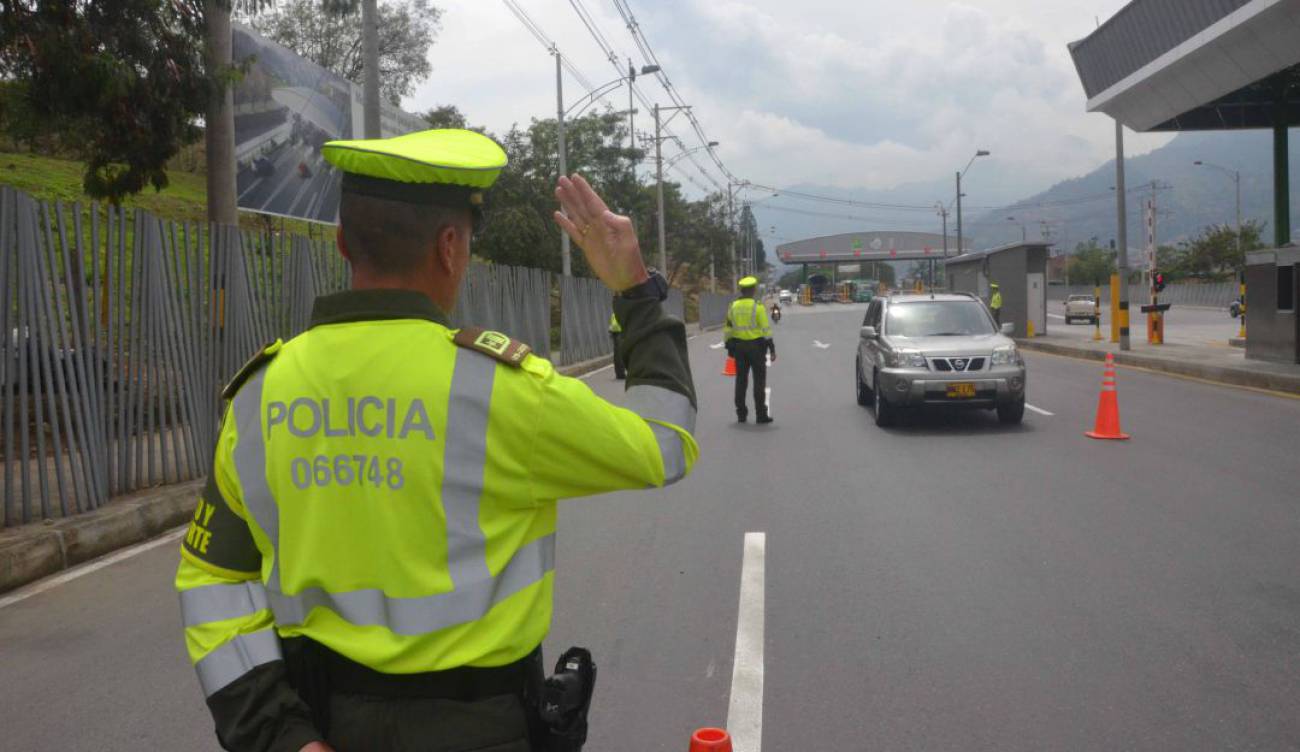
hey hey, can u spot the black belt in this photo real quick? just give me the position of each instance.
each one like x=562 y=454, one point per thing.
x=464 y=684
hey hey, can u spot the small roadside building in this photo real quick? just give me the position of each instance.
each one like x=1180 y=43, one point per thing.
x=1019 y=270
x=1273 y=286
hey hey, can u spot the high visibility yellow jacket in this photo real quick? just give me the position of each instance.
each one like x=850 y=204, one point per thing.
x=614 y=327
x=387 y=486
x=995 y=302
x=747 y=320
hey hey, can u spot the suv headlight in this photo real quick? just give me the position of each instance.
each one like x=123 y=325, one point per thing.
x=905 y=359
x=1006 y=355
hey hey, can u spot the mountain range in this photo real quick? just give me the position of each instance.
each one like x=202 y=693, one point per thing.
x=1188 y=199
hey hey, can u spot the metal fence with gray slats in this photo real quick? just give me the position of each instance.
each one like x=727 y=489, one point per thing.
x=585 y=308
x=119 y=329
x=713 y=309
x=510 y=299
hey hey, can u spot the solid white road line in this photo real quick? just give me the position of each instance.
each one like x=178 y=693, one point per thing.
x=94 y=565
x=745 y=711
x=718 y=346
x=1057 y=316
x=819 y=343
x=767 y=399
x=1038 y=410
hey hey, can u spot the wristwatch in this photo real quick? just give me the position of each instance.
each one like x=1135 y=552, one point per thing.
x=654 y=287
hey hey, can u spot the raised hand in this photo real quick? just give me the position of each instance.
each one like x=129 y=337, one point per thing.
x=606 y=239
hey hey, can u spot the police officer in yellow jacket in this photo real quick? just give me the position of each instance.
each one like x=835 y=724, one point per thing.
x=749 y=340
x=371 y=563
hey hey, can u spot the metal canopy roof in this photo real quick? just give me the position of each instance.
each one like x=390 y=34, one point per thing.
x=1194 y=64
x=853 y=247
x=981 y=255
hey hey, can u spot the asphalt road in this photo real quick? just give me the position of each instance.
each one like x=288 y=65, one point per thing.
x=949 y=584
x=1184 y=325
x=286 y=192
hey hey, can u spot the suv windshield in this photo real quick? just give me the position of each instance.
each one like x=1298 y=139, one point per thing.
x=937 y=318
x=1085 y=298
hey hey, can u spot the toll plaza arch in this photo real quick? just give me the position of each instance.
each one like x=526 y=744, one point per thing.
x=864 y=247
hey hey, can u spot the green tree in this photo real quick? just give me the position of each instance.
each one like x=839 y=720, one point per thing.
x=1091 y=263
x=407 y=29
x=1216 y=254
x=116 y=85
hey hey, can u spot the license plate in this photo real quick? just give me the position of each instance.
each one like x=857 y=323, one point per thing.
x=961 y=391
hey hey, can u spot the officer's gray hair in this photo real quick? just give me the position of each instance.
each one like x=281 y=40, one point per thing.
x=393 y=237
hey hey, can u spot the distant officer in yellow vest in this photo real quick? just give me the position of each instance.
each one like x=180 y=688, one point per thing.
x=749 y=340
x=995 y=302
x=371 y=563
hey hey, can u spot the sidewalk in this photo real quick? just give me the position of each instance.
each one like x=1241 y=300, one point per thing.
x=30 y=552
x=1216 y=362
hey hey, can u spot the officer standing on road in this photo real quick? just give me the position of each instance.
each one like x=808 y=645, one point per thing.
x=995 y=303
x=615 y=329
x=371 y=563
x=749 y=340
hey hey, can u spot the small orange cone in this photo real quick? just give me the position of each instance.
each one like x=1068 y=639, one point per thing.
x=1107 y=426
x=710 y=740
x=729 y=368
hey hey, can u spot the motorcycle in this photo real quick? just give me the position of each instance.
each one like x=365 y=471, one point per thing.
x=1234 y=308
x=776 y=314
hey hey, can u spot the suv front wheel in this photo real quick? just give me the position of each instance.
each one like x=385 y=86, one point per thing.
x=885 y=412
x=864 y=394
x=1011 y=413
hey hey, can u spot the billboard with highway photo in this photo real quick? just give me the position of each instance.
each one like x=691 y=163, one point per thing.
x=286 y=108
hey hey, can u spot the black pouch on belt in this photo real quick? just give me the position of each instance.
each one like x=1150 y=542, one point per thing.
x=566 y=698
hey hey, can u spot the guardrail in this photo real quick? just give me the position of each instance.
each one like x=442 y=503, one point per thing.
x=1208 y=294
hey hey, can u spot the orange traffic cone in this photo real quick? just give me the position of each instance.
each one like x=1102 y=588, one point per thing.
x=710 y=740
x=1107 y=426
x=729 y=368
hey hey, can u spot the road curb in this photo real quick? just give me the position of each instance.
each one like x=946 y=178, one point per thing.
x=30 y=552
x=1276 y=382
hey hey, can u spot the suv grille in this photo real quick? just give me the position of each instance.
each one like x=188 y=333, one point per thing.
x=959 y=364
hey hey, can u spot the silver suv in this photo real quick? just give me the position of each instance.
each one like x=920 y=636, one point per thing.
x=941 y=349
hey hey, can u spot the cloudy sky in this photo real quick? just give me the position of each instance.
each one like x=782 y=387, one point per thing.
x=865 y=94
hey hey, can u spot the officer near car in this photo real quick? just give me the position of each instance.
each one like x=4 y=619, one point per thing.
x=995 y=302
x=748 y=337
x=372 y=561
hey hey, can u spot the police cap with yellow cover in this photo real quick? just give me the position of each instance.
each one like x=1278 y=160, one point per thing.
x=748 y=282
x=446 y=167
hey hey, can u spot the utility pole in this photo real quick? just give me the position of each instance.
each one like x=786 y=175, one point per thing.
x=659 y=186
x=959 y=241
x=731 y=234
x=942 y=211
x=370 y=54
x=219 y=130
x=631 y=110
x=1121 y=258
x=566 y=262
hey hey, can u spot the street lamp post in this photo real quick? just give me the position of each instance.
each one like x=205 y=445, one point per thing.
x=659 y=178
x=978 y=153
x=1024 y=236
x=1236 y=180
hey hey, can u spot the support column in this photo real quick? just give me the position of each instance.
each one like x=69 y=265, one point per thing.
x=1281 y=184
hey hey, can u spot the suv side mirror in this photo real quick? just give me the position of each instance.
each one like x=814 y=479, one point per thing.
x=1008 y=328
x=867 y=332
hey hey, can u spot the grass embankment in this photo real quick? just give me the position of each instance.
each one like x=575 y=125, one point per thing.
x=183 y=200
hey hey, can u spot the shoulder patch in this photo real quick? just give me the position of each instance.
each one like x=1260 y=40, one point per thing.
x=495 y=345
x=260 y=359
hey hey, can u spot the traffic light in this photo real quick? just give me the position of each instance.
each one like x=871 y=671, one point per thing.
x=1158 y=281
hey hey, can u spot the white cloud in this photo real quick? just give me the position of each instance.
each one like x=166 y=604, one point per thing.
x=868 y=94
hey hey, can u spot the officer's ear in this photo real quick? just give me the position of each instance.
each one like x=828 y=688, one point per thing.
x=446 y=242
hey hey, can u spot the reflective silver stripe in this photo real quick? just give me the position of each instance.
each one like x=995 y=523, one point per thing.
x=236 y=658
x=250 y=466
x=463 y=465
x=665 y=406
x=416 y=616
x=209 y=603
